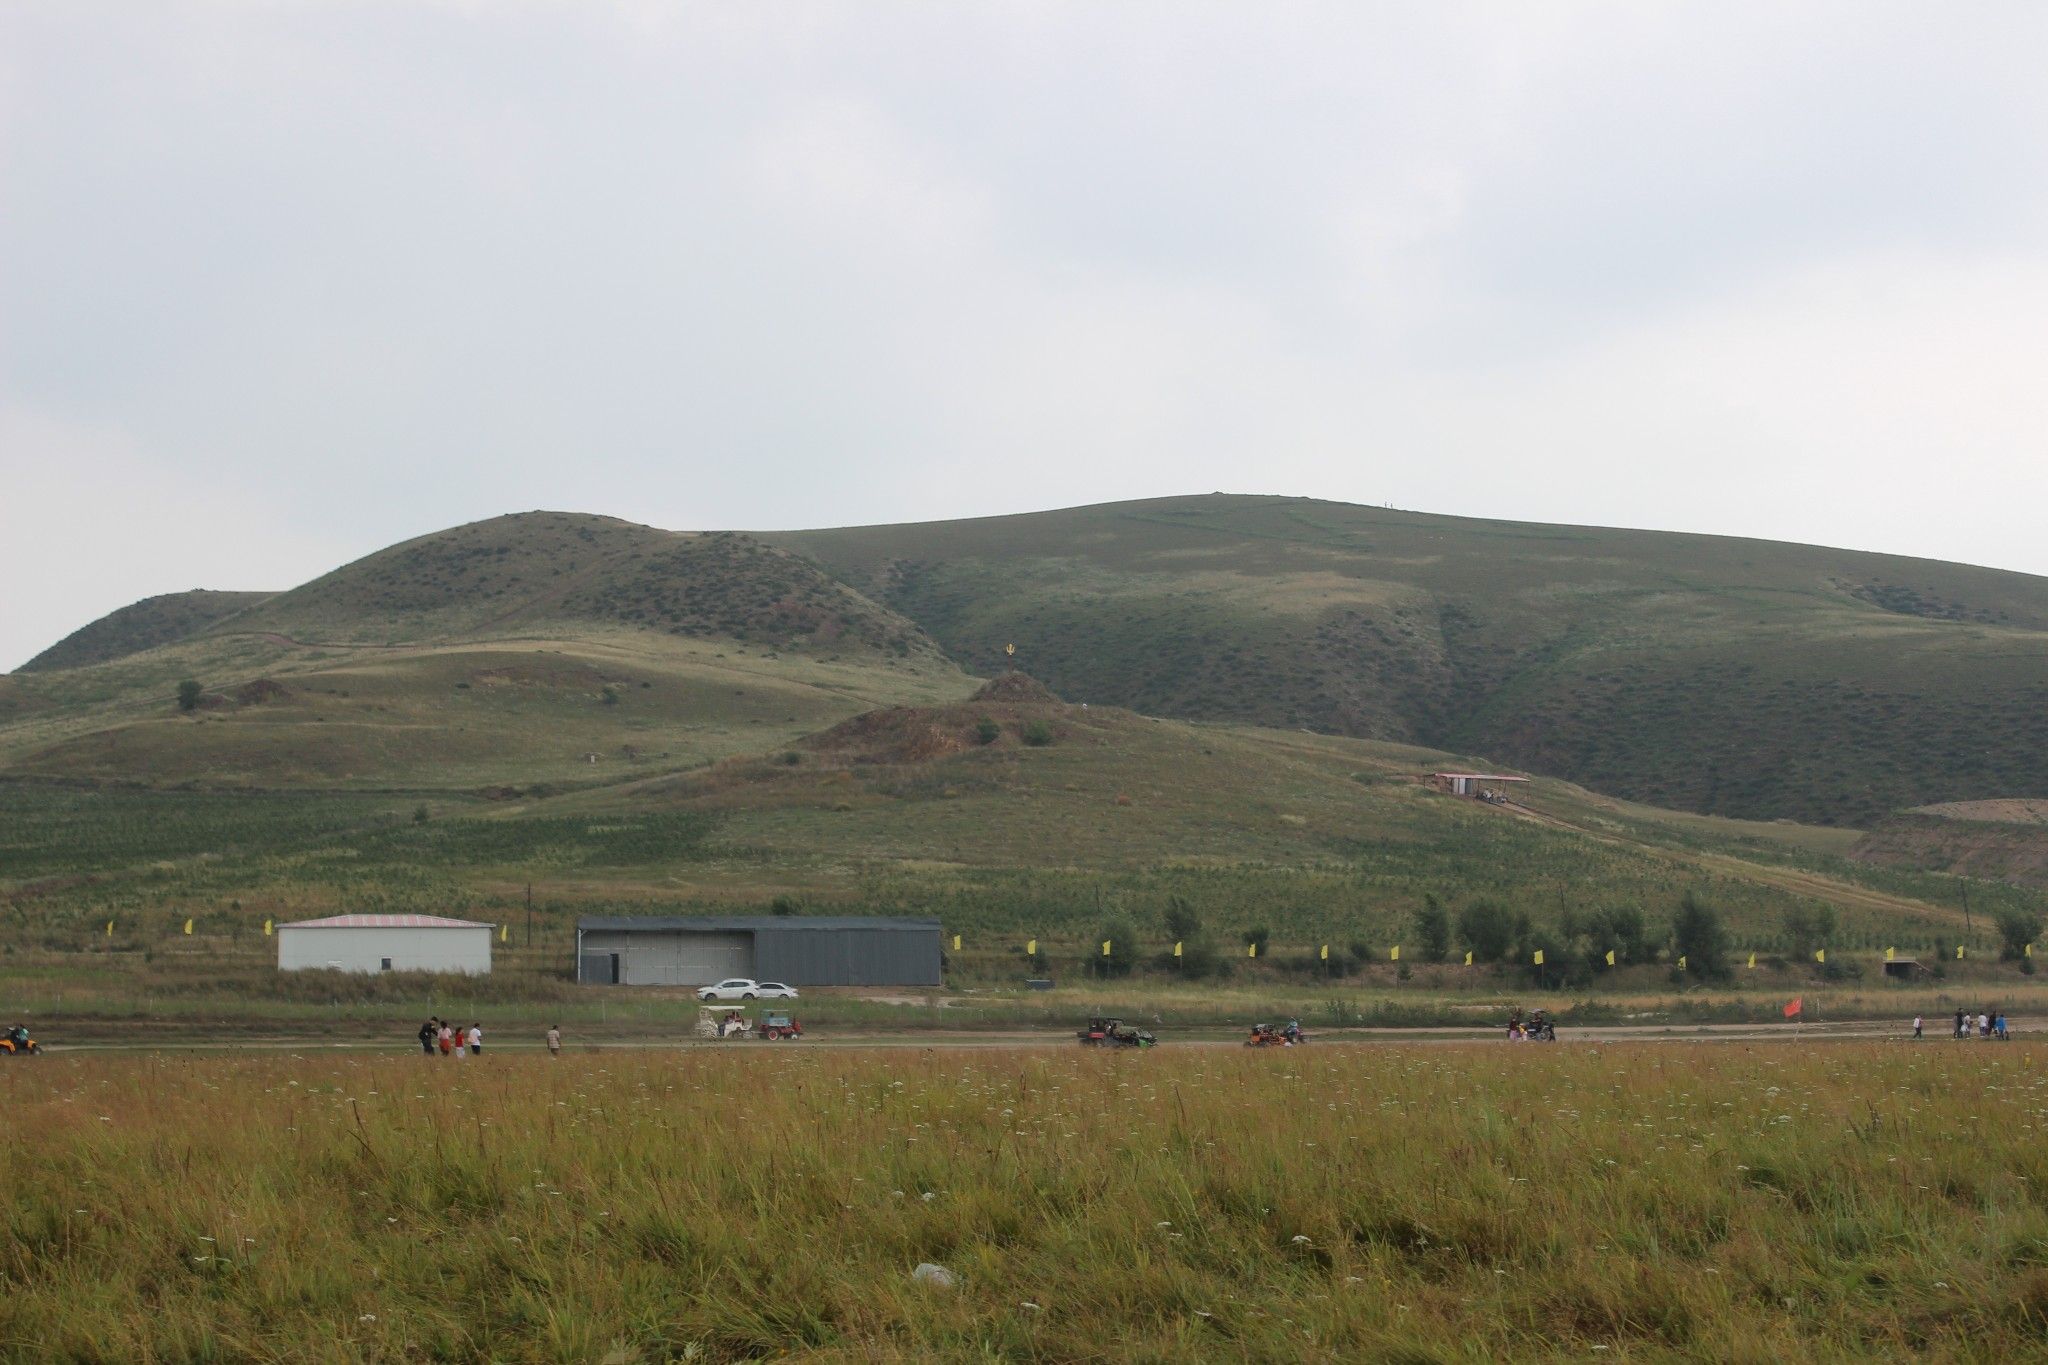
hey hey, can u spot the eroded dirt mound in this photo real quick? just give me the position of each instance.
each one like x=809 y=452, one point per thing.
x=899 y=734
x=1016 y=689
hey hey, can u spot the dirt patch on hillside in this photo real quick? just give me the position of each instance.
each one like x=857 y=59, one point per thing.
x=260 y=691
x=2007 y=850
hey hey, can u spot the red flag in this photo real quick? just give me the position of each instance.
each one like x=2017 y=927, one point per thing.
x=1792 y=1010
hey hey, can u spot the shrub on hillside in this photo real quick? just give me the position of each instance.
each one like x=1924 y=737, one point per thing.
x=2016 y=929
x=1487 y=930
x=986 y=731
x=1038 y=734
x=1432 y=930
x=189 y=692
x=1698 y=935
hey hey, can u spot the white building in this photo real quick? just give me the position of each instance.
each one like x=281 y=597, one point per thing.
x=385 y=943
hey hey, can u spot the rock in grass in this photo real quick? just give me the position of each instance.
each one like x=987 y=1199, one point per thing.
x=935 y=1275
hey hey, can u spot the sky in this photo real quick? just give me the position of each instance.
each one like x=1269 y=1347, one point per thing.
x=284 y=283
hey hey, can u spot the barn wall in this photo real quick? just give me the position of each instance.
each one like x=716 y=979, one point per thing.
x=847 y=957
x=364 y=949
x=670 y=957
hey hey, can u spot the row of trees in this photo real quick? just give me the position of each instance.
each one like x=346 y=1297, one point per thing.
x=1573 y=948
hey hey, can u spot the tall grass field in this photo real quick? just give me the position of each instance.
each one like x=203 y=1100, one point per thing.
x=1768 y=1202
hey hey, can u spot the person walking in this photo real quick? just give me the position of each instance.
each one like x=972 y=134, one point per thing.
x=555 y=1040
x=476 y=1039
x=1983 y=1026
x=1917 y=1021
x=427 y=1034
x=445 y=1038
x=1962 y=1025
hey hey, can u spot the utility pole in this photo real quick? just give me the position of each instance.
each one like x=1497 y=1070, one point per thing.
x=529 y=914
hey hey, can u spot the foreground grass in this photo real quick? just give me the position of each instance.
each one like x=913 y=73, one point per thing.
x=1475 y=1203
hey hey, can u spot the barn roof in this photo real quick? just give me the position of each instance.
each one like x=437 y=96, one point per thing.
x=739 y=923
x=387 y=922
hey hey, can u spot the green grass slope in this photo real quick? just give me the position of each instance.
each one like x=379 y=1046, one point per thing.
x=509 y=575
x=142 y=625
x=533 y=650
x=1714 y=674
x=1050 y=820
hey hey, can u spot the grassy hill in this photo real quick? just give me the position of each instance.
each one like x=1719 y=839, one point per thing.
x=1723 y=676
x=1714 y=674
x=1007 y=814
x=534 y=650
x=140 y=626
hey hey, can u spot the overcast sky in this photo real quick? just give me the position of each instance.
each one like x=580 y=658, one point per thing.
x=281 y=284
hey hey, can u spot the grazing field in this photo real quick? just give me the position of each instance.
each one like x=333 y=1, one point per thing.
x=1324 y=1203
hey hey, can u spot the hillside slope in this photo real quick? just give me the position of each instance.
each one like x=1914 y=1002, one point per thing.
x=531 y=650
x=1714 y=674
x=511 y=574
x=142 y=625
x=2005 y=840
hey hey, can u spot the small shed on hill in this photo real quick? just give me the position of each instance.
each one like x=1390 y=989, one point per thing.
x=385 y=943
x=798 y=950
x=1481 y=785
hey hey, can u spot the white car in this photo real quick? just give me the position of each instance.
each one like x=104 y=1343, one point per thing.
x=741 y=988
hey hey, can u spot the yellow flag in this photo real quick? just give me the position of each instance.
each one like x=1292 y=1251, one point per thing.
x=1176 y=947
x=110 y=928
x=1326 y=952
x=1752 y=959
x=956 y=943
x=505 y=934
x=1539 y=957
x=188 y=929
x=1959 y=952
x=2029 y=950
x=1610 y=957
x=1031 y=948
x=1251 y=949
x=1888 y=955
x=1681 y=962
x=1105 y=947
x=1395 y=956
x=266 y=928
x=1820 y=955
x=1468 y=959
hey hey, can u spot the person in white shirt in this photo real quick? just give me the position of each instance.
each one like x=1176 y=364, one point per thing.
x=476 y=1038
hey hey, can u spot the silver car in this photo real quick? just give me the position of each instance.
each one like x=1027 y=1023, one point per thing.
x=745 y=988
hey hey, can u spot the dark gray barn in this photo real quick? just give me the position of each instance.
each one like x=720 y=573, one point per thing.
x=799 y=950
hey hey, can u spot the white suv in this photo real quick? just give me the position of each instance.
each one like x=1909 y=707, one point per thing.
x=741 y=988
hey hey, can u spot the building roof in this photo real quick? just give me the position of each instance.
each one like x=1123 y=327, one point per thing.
x=1483 y=777
x=387 y=922
x=732 y=923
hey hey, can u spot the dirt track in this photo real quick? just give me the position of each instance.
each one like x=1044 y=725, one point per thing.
x=156 y=1039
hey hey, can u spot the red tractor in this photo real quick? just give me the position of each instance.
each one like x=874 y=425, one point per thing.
x=776 y=1027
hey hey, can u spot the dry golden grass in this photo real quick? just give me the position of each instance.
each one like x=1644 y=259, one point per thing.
x=1318 y=1204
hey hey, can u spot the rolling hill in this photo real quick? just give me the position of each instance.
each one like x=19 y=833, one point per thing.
x=1705 y=673
x=1717 y=675
x=526 y=651
x=142 y=626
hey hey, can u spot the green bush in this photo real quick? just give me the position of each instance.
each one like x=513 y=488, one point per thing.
x=1038 y=734
x=987 y=731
